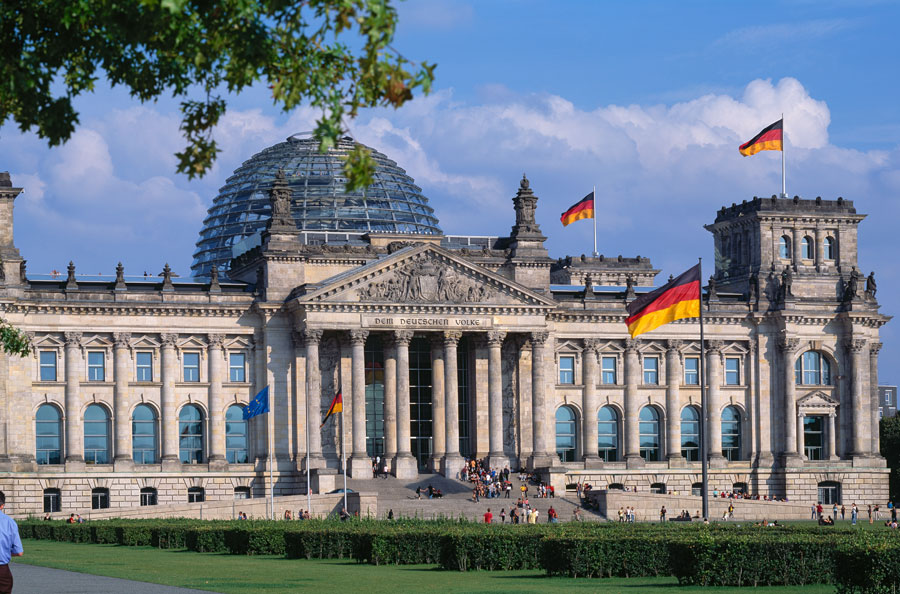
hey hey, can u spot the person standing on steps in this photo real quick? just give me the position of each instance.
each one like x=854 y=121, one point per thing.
x=10 y=546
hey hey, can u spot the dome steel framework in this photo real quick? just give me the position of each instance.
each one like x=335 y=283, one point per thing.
x=319 y=200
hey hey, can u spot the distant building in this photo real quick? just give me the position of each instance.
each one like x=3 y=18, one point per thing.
x=887 y=401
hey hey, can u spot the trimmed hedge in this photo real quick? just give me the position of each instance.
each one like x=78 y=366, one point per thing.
x=855 y=561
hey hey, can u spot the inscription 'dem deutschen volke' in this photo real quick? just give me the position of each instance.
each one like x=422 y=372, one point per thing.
x=425 y=322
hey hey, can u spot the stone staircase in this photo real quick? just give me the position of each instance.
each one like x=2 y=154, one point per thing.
x=400 y=496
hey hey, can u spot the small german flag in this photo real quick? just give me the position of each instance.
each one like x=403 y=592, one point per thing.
x=679 y=298
x=336 y=407
x=583 y=209
x=770 y=139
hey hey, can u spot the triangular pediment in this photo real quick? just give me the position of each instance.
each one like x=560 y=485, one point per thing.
x=817 y=400
x=425 y=275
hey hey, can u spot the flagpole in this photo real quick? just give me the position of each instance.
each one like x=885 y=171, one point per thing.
x=343 y=455
x=783 y=143
x=308 y=479
x=594 y=206
x=270 y=423
x=704 y=408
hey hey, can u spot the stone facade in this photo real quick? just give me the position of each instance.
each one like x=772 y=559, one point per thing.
x=535 y=350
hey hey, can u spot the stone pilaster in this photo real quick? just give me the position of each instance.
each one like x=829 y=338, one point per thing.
x=541 y=456
x=439 y=429
x=390 y=402
x=832 y=437
x=360 y=465
x=674 y=375
x=405 y=465
x=216 y=400
x=590 y=405
x=74 y=442
x=168 y=418
x=714 y=401
x=122 y=422
x=633 y=457
x=875 y=421
x=453 y=462
x=495 y=398
x=860 y=396
x=788 y=347
x=311 y=339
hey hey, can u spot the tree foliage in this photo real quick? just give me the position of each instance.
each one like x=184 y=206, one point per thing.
x=332 y=54
x=12 y=340
x=890 y=449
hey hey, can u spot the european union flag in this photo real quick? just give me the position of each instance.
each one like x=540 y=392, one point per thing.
x=259 y=405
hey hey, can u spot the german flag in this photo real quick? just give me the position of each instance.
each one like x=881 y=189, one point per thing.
x=336 y=407
x=677 y=299
x=583 y=209
x=770 y=139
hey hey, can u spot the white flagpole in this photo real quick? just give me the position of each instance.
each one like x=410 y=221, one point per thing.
x=343 y=458
x=271 y=445
x=783 y=143
x=594 y=206
x=308 y=479
x=704 y=412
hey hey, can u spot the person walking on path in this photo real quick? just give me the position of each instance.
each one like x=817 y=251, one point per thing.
x=662 y=514
x=854 y=514
x=488 y=516
x=10 y=546
x=869 y=511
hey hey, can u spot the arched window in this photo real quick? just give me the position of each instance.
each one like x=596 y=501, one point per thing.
x=649 y=434
x=658 y=488
x=148 y=496
x=690 y=434
x=615 y=487
x=236 y=436
x=52 y=501
x=47 y=430
x=829 y=492
x=608 y=434
x=96 y=435
x=99 y=498
x=740 y=488
x=731 y=433
x=806 y=248
x=196 y=495
x=828 y=248
x=190 y=435
x=566 y=437
x=143 y=434
x=242 y=492
x=812 y=369
x=784 y=247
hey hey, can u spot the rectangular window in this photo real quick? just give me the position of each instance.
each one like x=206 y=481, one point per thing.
x=732 y=371
x=608 y=370
x=237 y=371
x=567 y=370
x=96 y=366
x=192 y=367
x=144 y=367
x=692 y=371
x=48 y=366
x=651 y=370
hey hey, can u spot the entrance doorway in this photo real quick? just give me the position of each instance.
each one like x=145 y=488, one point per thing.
x=420 y=411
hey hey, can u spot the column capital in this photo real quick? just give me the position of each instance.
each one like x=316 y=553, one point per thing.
x=436 y=340
x=592 y=345
x=874 y=348
x=788 y=344
x=122 y=340
x=73 y=339
x=753 y=344
x=451 y=337
x=168 y=340
x=358 y=336
x=495 y=338
x=539 y=338
x=855 y=345
x=403 y=337
x=312 y=335
x=714 y=347
x=631 y=345
x=215 y=340
x=673 y=345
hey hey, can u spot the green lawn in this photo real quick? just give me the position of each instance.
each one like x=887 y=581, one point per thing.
x=243 y=575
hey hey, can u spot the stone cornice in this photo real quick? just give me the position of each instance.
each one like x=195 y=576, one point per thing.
x=125 y=309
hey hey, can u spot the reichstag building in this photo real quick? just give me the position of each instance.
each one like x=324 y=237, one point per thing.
x=445 y=347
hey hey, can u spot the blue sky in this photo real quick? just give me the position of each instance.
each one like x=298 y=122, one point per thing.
x=646 y=100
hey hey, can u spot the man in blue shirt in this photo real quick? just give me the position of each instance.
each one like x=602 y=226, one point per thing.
x=10 y=546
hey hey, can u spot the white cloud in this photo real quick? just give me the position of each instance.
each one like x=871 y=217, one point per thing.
x=783 y=32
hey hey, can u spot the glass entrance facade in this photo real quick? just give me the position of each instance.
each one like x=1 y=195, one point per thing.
x=420 y=412
x=374 y=397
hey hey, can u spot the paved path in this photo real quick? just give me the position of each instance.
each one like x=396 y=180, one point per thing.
x=31 y=579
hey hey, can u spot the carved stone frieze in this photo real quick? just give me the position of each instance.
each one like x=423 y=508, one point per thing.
x=426 y=281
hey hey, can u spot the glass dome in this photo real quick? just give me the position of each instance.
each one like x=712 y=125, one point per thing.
x=319 y=200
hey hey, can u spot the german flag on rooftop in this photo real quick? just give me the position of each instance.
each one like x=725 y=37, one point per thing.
x=583 y=209
x=679 y=298
x=770 y=139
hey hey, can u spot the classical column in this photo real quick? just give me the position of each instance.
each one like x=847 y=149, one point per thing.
x=453 y=462
x=390 y=401
x=714 y=400
x=801 y=441
x=438 y=428
x=542 y=455
x=360 y=465
x=674 y=375
x=74 y=437
x=216 y=399
x=495 y=398
x=788 y=347
x=311 y=338
x=168 y=419
x=875 y=422
x=405 y=465
x=632 y=405
x=122 y=426
x=590 y=405
x=832 y=437
x=860 y=396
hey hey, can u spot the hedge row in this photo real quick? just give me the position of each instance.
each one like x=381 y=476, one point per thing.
x=719 y=555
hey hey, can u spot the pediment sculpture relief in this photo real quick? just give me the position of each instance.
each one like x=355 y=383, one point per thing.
x=427 y=282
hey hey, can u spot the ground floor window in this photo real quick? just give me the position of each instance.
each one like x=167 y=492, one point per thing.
x=242 y=492
x=100 y=498
x=148 y=496
x=829 y=492
x=739 y=488
x=649 y=434
x=195 y=495
x=565 y=433
x=697 y=489
x=658 y=488
x=814 y=437
x=52 y=501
